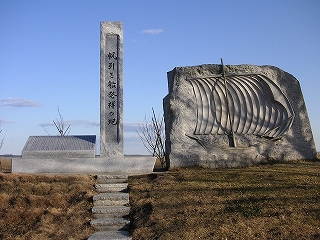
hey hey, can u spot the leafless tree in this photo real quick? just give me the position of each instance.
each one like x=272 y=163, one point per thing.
x=2 y=139
x=152 y=136
x=60 y=125
x=44 y=129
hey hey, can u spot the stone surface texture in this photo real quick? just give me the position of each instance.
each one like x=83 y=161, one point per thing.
x=111 y=208
x=110 y=235
x=111 y=89
x=186 y=146
x=126 y=164
x=82 y=146
x=111 y=187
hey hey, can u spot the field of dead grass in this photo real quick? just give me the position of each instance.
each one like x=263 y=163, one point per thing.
x=5 y=165
x=45 y=206
x=275 y=201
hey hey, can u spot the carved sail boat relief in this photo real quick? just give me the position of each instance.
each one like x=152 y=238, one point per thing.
x=250 y=107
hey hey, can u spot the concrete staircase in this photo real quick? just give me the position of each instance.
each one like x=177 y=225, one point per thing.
x=111 y=206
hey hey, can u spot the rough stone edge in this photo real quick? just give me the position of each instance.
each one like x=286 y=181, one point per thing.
x=175 y=76
x=126 y=164
x=108 y=149
x=69 y=153
x=111 y=235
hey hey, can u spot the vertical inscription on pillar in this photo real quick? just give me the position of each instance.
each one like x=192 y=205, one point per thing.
x=111 y=89
x=112 y=121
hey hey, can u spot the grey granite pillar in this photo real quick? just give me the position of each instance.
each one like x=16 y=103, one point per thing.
x=111 y=89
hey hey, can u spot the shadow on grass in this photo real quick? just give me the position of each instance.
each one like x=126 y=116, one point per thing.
x=262 y=202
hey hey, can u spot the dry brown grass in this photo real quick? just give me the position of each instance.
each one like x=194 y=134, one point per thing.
x=278 y=201
x=5 y=165
x=45 y=206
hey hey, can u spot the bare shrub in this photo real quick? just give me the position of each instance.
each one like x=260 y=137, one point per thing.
x=60 y=125
x=152 y=136
x=1 y=139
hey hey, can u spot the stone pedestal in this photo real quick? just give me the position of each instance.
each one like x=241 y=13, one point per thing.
x=126 y=164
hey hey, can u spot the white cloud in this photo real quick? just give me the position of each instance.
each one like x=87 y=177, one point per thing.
x=153 y=31
x=82 y=122
x=93 y=123
x=46 y=124
x=131 y=135
x=4 y=121
x=18 y=102
x=72 y=123
x=130 y=127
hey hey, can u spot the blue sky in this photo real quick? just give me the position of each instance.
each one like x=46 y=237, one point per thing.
x=50 y=56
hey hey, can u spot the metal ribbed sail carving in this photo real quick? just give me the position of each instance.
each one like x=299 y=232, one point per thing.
x=241 y=104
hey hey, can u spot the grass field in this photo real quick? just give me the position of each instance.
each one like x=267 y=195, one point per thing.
x=45 y=206
x=271 y=201
x=278 y=201
x=5 y=165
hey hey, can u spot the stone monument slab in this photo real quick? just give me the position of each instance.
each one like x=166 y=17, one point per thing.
x=39 y=147
x=111 y=89
x=74 y=154
x=228 y=116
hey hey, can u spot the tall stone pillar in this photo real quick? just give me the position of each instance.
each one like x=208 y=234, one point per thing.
x=111 y=89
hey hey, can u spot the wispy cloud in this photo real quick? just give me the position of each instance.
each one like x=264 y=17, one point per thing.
x=153 y=31
x=73 y=123
x=4 y=121
x=131 y=136
x=18 y=102
x=93 y=123
x=84 y=123
x=130 y=127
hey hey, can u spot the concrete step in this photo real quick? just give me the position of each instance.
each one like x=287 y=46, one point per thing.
x=110 y=235
x=112 y=187
x=119 y=178
x=110 y=211
x=111 y=199
x=106 y=224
